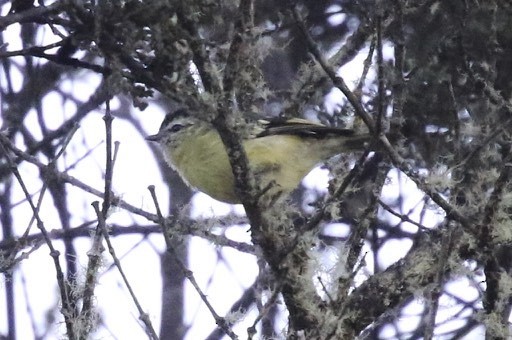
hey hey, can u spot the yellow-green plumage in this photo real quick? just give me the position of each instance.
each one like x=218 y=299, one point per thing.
x=280 y=154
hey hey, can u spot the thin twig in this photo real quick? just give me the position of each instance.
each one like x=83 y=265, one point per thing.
x=402 y=217
x=22 y=241
x=97 y=248
x=381 y=95
x=67 y=310
x=251 y=331
x=109 y=168
x=110 y=161
x=142 y=315
x=60 y=176
x=52 y=163
x=324 y=289
x=337 y=80
x=32 y=14
x=314 y=220
x=399 y=88
x=220 y=321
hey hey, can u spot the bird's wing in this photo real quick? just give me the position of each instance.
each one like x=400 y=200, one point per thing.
x=300 y=127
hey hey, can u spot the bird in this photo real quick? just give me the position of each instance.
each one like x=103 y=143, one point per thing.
x=280 y=153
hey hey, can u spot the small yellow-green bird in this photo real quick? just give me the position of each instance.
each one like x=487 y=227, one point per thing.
x=280 y=154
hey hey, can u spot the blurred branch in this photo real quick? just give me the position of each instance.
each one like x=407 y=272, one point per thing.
x=185 y=227
x=331 y=73
x=34 y=14
x=221 y=322
x=142 y=315
x=66 y=296
x=433 y=294
x=94 y=255
x=398 y=161
x=384 y=291
x=402 y=217
x=495 y=301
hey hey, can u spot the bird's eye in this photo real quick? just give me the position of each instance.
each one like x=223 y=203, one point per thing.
x=176 y=127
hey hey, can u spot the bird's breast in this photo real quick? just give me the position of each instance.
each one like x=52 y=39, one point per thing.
x=279 y=163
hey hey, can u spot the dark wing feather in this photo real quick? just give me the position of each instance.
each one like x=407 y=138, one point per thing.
x=300 y=127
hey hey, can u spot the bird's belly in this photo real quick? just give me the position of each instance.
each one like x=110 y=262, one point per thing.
x=211 y=174
x=279 y=164
x=216 y=180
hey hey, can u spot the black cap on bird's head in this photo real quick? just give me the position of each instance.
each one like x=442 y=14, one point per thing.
x=169 y=117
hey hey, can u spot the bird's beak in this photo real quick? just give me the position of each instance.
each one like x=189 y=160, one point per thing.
x=154 y=138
